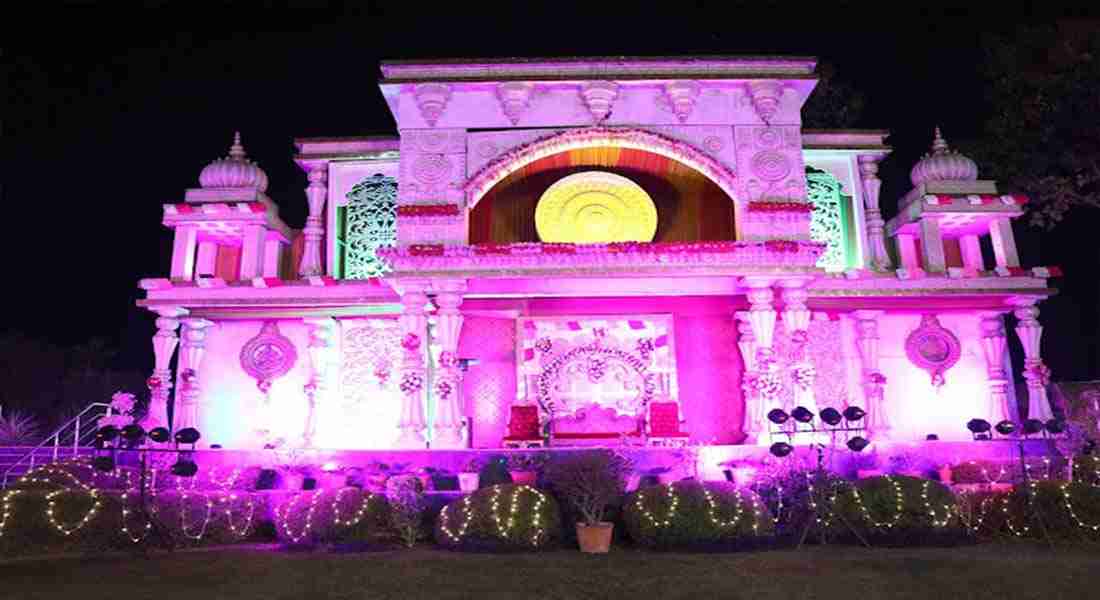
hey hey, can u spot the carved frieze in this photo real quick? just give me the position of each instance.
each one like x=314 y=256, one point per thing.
x=771 y=165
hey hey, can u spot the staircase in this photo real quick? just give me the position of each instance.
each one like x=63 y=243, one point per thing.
x=72 y=439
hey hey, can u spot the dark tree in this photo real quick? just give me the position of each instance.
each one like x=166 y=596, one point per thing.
x=1042 y=137
x=834 y=103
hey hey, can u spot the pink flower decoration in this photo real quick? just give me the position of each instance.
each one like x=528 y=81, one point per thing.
x=410 y=342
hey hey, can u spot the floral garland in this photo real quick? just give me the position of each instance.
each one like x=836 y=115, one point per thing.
x=443 y=389
x=803 y=207
x=803 y=376
x=543 y=345
x=557 y=142
x=411 y=383
x=767 y=384
x=551 y=372
x=1039 y=372
x=428 y=210
x=410 y=342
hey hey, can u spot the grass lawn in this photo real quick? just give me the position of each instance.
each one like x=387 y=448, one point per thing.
x=1005 y=572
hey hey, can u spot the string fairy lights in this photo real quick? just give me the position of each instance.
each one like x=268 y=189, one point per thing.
x=505 y=520
x=67 y=530
x=673 y=504
x=899 y=505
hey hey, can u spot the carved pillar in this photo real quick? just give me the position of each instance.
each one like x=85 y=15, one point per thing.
x=931 y=245
x=761 y=316
x=414 y=327
x=1036 y=373
x=993 y=347
x=866 y=322
x=448 y=423
x=796 y=320
x=746 y=343
x=314 y=230
x=165 y=341
x=322 y=335
x=876 y=237
x=192 y=348
x=1004 y=244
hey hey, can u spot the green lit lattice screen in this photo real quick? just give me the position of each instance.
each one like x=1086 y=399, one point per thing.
x=831 y=221
x=368 y=222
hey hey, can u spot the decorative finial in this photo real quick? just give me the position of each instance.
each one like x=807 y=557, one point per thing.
x=939 y=144
x=236 y=151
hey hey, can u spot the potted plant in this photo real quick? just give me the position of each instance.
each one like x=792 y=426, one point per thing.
x=590 y=482
x=524 y=468
x=469 y=477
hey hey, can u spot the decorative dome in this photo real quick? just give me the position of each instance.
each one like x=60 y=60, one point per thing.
x=234 y=171
x=943 y=165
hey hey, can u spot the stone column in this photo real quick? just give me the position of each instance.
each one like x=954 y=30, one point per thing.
x=796 y=320
x=314 y=230
x=761 y=316
x=160 y=382
x=867 y=338
x=931 y=245
x=448 y=424
x=192 y=348
x=879 y=259
x=1004 y=243
x=414 y=328
x=993 y=347
x=1036 y=373
x=746 y=343
x=322 y=335
x=183 y=252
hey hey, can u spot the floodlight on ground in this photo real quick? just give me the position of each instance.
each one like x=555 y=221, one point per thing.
x=160 y=434
x=778 y=416
x=781 y=449
x=854 y=413
x=831 y=416
x=1033 y=426
x=857 y=444
x=189 y=435
x=1006 y=427
x=802 y=414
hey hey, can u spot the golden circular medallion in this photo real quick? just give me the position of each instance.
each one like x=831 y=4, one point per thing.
x=595 y=207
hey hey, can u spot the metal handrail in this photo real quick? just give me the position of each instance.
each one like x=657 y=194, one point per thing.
x=54 y=439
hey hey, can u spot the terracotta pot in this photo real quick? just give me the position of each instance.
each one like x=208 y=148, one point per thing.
x=595 y=539
x=945 y=475
x=467 y=482
x=524 y=477
x=866 y=473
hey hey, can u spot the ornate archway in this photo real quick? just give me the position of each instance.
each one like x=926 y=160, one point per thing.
x=639 y=139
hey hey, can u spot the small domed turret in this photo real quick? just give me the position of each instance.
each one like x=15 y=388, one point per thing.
x=943 y=164
x=234 y=171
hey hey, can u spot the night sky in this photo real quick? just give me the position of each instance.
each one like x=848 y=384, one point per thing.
x=112 y=112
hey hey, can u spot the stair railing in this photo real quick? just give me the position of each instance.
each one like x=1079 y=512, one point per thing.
x=82 y=429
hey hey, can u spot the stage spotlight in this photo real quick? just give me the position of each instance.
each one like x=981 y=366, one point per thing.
x=977 y=426
x=1006 y=427
x=185 y=468
x=854 y=413
x=190 y=435
x=104 y=463
x=106 y=433
x=857 y=444
x=802 y=414
x=831 y=416
x=133 y=433
x=781 y=449
x=160 y=435
x=1055 y=426
x=778 y=416
x=1033 y=426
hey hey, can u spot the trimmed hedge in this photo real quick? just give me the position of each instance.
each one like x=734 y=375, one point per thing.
x=1068 y=511
x=690 y=514
x=501 y=518
x=898 y=510
x=345 y=516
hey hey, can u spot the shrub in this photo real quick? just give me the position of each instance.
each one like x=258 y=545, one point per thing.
x=202 y=518
x=588 y=481
x=347 y=515
x=29 y=525
x=1069 y=511
x=690 y=514
x=898 y=511
x=504 y=517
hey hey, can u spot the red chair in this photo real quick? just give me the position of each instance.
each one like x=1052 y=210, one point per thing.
x=664 y=425
x=523 y=428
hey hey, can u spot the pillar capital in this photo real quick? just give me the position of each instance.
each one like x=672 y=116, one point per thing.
x=314 y=231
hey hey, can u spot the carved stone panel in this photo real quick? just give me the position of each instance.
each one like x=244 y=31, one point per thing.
x=770 y=165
